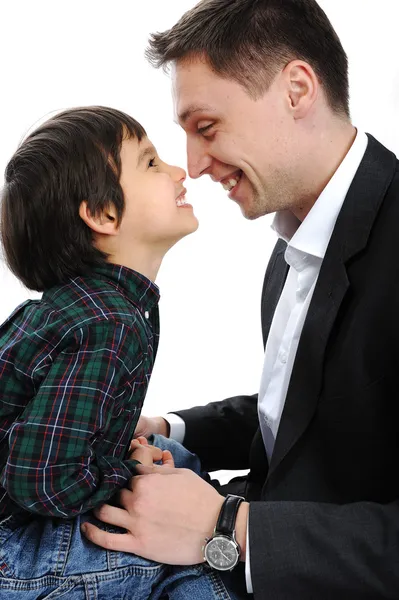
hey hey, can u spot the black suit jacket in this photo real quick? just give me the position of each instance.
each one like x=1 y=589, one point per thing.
x=324 y=515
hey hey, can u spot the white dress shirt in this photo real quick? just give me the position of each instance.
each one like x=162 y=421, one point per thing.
x=306 y=246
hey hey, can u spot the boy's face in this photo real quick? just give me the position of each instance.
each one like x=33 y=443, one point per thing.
x=155 y=214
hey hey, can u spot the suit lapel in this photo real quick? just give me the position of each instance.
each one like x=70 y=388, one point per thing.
x=306 y=379
x=350 y=236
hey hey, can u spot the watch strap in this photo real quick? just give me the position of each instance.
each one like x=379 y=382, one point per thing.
x=228 y=513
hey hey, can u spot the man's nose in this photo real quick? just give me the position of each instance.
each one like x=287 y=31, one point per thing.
x=198 y=161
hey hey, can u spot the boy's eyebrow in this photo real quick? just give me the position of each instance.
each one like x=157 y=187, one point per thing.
x=147 y=151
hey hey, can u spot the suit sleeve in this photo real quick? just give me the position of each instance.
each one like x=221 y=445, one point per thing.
x=221 y=433
x=315 y=550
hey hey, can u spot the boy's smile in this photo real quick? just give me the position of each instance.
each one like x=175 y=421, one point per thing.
x=156 y=213
x=154 y=194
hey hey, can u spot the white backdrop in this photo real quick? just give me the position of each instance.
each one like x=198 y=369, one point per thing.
x=55 y=55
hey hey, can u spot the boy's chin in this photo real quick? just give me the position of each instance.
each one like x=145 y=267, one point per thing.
x=185 y=232
x=193 y=228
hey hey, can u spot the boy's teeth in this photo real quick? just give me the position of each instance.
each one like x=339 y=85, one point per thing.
x=181 y=202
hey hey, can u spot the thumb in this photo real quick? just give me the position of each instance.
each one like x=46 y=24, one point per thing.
x=167 y=459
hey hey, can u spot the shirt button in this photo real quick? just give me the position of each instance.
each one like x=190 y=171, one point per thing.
x=147 y=314
x=283 y=357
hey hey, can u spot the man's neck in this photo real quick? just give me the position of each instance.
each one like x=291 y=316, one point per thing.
x=324 y=158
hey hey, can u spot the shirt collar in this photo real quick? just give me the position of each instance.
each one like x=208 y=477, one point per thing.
x=134 y=285
x=312 y=236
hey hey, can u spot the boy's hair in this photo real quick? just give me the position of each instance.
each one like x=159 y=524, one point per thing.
x=72 y=157
x=249 y=41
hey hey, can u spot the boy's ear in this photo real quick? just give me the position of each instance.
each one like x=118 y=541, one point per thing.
x=104 y=222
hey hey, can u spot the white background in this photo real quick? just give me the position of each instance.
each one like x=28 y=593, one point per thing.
x=55 y=55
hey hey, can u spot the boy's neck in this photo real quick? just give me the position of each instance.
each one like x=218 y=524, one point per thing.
x=144 y=262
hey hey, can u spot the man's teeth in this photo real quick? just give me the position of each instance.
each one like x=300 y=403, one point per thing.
x=181 y=201
x=230 y=184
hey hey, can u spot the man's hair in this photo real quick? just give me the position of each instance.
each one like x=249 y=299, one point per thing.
x=249 y=41
x=72 y=157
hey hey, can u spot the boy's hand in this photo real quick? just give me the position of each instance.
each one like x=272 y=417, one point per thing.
x=146 y=426
x=147 y=455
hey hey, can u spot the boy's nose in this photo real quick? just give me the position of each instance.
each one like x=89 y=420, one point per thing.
x=179 y=174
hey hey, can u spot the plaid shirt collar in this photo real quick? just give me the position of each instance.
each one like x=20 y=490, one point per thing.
x=136 y=287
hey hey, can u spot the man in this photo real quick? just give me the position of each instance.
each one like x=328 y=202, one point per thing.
x=261 y=90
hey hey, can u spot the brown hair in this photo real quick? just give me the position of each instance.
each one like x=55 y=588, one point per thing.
x=251 y=40
x=72 y=157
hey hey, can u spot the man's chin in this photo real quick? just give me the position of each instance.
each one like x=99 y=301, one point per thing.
x=251 y=211
x=250 y=216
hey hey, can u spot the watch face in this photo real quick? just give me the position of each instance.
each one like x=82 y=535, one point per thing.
x=221 y=553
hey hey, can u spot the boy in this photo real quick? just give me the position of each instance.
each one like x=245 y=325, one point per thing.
x=88 y=212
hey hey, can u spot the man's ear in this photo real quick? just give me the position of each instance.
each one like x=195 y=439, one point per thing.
x=303 y=87
x=104 y=222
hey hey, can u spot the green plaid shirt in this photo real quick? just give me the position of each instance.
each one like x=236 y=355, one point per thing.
x=74 y=371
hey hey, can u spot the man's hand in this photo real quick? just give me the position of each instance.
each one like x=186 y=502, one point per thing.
x=168 y=514
x=142 y=451
x=147 y=426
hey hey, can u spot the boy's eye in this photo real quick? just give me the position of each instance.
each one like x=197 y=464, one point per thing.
x=152 y=162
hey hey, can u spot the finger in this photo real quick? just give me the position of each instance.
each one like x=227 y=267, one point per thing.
x=156 y=452
x=151 y=470
x=143 y=440
x=112 y=515
x=147 y=454
x=134 y=444
x=110 y=541
x=167 y=459
x=143 y=455
x=125 y=495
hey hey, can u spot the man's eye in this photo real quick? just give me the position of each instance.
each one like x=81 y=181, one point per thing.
x=204 y=130
x=152 y=162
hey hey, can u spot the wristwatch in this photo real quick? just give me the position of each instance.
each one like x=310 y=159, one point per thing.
x=221 y=550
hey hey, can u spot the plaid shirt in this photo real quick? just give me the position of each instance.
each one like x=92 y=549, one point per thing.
x=74 y=371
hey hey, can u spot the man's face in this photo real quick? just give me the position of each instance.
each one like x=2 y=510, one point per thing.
x=242 y=143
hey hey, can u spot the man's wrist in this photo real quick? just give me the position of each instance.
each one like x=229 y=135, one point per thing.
x=163 y=427
x=229 y=535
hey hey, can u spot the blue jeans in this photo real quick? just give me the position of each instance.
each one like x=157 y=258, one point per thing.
x=44 y=558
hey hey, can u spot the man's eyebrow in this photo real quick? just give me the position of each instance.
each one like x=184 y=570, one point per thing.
x=147 y=151
x=190 y=110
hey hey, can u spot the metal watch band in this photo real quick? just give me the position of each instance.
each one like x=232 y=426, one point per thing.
x=228 y=514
